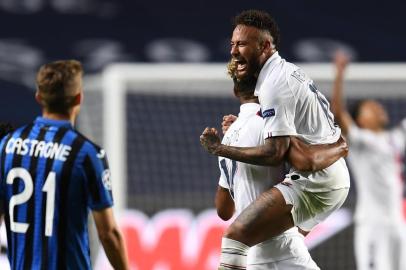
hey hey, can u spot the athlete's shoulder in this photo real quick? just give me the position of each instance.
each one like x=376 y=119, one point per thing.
x=14 y=133
x=90 y=147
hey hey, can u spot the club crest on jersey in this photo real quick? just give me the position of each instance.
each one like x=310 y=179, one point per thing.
x=268 y=113
x=106 y=179
x=101 y=154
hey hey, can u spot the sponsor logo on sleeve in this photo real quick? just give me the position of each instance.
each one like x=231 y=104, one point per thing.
x=268 y=113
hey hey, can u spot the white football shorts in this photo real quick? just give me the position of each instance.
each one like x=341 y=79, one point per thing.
x=285 y=251
x=309 y=207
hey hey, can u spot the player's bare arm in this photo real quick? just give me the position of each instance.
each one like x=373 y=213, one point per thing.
x=338 y=107
x=303 y=156
x=111 y=238
x=270 y=154
x=224 y=203
x=306 y=157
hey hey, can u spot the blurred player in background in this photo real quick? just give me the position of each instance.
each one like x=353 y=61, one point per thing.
x=291 y=106
x=375 y=159
x=50 y=176
x=240 y=183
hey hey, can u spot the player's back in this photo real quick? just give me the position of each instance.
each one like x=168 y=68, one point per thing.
x=286 y=90
x=292 y=106
x=247 y=181
x=50 y=176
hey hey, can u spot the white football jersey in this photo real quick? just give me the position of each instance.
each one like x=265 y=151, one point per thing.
x=376 y=162
x=291 y=105
x=245 y=181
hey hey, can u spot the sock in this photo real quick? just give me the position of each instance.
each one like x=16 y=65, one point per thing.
x=233 y=255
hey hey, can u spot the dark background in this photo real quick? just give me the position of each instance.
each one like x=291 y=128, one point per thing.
x=33 y=32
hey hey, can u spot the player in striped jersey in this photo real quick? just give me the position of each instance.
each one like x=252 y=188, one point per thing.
x=51 y=176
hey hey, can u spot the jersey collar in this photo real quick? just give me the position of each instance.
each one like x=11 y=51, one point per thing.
x=51 y=122
x=248 y=109
x=266 y=69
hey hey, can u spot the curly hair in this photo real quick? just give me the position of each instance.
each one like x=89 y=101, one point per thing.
x=242 y=88
x=260 y=20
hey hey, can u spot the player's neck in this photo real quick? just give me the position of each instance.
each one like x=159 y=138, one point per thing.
x=58 y=116
x=248 y=100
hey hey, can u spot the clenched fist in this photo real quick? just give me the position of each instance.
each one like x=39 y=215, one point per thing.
x=210 y=140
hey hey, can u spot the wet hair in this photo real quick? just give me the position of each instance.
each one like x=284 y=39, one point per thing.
x=260 y=20
x=5 y=128
x=57 y=85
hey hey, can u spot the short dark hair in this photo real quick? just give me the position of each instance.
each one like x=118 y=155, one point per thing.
x=260 y=20
x=56 y=84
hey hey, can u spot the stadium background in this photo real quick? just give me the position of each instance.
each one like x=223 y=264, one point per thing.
x=171 y=171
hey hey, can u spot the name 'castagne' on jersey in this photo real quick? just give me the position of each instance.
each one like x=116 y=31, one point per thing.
x=35 y=148
x=50 y=178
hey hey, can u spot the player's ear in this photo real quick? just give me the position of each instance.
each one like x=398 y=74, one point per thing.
x=38 y=97
x=78 y=98
x=267 y=46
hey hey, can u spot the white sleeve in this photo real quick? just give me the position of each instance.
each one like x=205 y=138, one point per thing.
x=223 y=178
x=278 y=110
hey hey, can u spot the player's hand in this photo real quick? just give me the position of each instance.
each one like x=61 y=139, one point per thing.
x=227 y=121
x=341 y=60
x=210 y=140
x=342 y=143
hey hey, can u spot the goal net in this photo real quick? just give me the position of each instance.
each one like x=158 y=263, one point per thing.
x=149 y=118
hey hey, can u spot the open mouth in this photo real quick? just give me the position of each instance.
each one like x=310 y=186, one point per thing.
x=241 y=64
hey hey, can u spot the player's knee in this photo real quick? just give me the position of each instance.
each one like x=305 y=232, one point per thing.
x=238 y=232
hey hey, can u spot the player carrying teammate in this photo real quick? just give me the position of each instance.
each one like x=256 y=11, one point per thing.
x=376 y=163
x=240 y=183
x=51 y=176
x=291 y=106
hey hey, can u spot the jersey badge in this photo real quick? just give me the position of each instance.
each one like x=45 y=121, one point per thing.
x=268 y=113
x=106 y=179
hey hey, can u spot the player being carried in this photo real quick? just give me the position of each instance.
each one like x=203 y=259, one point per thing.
x=50 y=176
x=376 y=163
x=291 y=105
x=240 y=183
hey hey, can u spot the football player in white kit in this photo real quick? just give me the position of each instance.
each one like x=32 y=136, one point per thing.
x=291 y=106
x=376 y=162
x=240 y=183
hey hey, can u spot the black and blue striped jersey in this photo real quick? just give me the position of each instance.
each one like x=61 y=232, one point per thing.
x=51 y=176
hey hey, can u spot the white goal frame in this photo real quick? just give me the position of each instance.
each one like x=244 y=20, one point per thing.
x=178 y=78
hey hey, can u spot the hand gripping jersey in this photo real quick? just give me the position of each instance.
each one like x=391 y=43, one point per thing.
x=50 y=177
